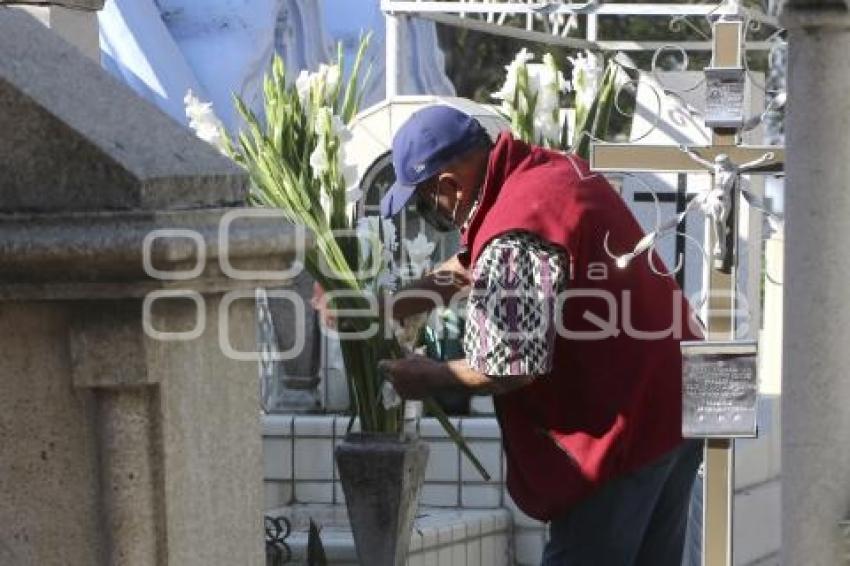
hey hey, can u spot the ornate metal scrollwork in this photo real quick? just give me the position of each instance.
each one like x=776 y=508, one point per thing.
x=277 y=530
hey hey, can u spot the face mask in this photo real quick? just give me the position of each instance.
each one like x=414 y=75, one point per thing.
x=429 y=211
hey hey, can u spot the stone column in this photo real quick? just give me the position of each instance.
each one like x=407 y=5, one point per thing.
x=129 y=437
x=74 y=20
x=816 y=388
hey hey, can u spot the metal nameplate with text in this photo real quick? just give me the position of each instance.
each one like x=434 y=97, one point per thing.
x=720 y=389
x=724 y=97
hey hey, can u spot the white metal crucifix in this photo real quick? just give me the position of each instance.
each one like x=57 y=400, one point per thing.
x=725 y=160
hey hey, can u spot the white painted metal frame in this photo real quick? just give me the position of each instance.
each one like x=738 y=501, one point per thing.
x=491 y=14
x=546 y=8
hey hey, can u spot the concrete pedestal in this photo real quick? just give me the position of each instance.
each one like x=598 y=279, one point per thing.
x=129 y=436
x=816 y=388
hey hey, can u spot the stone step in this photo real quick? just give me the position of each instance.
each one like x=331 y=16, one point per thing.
x=440 y=537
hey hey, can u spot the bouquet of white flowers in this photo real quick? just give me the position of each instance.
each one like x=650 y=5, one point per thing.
x=531 y=99
x=296 y=161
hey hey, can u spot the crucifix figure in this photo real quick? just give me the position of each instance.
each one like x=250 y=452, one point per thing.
x=717 y=202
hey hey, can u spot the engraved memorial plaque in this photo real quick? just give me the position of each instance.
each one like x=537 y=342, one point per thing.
x=720 y=389
x=724 y=97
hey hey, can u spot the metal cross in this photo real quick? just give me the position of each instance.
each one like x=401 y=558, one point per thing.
x=719 y=455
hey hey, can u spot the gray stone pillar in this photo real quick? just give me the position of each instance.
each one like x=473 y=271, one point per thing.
x=816 y=388
x=74 y=20
x=128 y=436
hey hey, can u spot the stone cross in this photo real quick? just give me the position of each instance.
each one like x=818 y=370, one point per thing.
x=130 y=438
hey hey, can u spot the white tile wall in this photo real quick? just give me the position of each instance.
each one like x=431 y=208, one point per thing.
x=314 y=459
x=481 y=496
x=482 y=406
x=314 y=492
x=277 y=458
x=314 y=426
x=439 y=495
x=277 y=425
x=277 y=494
x=489 y=453
x=490 y=552
x=473 y=553
x=428 y=534
x=528 y=547
x=458 y=549
x=443 y=462
x=341 y=425
x=432 y=429
x=415 y=542
x=445 y=536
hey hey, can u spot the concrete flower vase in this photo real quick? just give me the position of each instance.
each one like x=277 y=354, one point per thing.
x=381 y=477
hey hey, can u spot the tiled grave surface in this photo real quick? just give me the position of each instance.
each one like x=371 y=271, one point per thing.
x=440 y=536
x=300 y=469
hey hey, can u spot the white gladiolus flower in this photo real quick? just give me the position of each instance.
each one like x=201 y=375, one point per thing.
x=387 y=280
x=369 y=236
x=319 y=161
x=552 y=84
x=350 y=178
x=324 y=123
x=547 y=127
x=318 y=87
x=329 y=127
x=332 y=78
x=203 y=121
x=349 y=170
x=419 y=250
x=586 y=77
x=390 y=237
x=542 y=83
x=339 y=129
x=302 y=85
x=508 y=90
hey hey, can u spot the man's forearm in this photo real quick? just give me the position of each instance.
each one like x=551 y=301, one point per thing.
x=417 y=377
x=458 y=375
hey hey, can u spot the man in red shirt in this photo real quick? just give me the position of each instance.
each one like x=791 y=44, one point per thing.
x=582 y=357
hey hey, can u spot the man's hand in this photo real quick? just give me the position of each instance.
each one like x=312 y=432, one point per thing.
x=417 y=377
x=436 y=289
x=414 y=377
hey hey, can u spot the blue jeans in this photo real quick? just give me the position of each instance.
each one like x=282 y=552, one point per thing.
x=637 y=520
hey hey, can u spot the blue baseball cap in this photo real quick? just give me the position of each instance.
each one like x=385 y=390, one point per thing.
x=430 y=139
